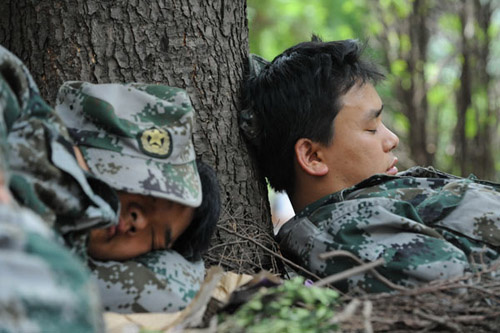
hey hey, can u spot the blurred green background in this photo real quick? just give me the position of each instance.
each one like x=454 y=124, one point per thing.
x=442 y=60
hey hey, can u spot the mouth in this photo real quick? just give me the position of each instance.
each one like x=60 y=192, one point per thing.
x=110 y=232
x=392 y=170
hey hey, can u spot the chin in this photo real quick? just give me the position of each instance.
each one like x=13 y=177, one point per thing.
x=96 y=253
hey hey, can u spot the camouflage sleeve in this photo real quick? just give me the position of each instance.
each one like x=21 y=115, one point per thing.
x=44 y=287
x=42 y=160
x=477 y=216
x=160 y=281
x=45 y=176
x=371 y=228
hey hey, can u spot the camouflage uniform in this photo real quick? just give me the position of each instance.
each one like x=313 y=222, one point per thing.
x=45 y=175
x=44 y=288
x=137 y=138
x=426 y=224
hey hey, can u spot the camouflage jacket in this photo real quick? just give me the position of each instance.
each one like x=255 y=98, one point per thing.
x=44 y=173
x=426 y=224
x=44 y=287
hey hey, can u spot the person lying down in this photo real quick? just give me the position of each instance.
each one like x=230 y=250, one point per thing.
x=117 y=230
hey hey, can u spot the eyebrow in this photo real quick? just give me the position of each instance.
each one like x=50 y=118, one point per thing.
x=374 y=114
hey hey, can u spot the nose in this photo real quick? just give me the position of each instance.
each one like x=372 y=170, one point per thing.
x=391 y=140
x=132 y=220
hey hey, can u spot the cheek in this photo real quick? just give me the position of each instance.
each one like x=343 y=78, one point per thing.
x=97 y=244
x=176 y=231
x=184 y=219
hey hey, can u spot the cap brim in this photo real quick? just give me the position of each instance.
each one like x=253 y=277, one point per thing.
x=180 y=183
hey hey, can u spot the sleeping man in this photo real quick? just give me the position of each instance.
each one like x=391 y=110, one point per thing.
x=315 y=121
x=137 y=139
x=143 y=239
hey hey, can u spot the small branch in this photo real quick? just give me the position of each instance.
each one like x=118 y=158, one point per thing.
x=289 y=262
x=444 y=321
x=347 y=313
x=469 y=318
x=367 y=314
x=349 y=272
x=341 y=253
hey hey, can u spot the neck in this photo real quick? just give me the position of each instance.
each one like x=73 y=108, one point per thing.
x=305 y=195
x=309 y=189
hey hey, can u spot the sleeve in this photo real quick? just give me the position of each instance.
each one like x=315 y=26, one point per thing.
x=44 y=287
x=44 y=173
x=370 y=229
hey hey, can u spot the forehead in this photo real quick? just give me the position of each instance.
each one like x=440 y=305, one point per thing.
x=363 y=97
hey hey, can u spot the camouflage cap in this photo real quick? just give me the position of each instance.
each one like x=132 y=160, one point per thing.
x=136 y=137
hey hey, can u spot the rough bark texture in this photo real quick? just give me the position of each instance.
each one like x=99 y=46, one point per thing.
x=415 y=98
x=475 y=147
x=464 y=94
x=201 y=46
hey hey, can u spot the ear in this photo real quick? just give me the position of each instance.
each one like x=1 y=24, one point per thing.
x=308 y=157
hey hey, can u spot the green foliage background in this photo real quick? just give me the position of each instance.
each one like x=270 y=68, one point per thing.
x=278 y=24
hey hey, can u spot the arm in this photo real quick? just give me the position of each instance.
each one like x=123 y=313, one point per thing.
x=372 y=228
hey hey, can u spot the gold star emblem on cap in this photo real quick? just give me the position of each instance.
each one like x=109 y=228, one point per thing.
x=156 y=142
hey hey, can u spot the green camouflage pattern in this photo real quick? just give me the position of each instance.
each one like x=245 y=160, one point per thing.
x=159 y=281
x=44 y=174
x=136 y=137
x=426 y=224
x=45 y=288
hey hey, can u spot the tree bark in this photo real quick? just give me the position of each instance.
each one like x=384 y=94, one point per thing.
x=415 y=98
x=464 y=93
x=475 y=148
x=197 y=45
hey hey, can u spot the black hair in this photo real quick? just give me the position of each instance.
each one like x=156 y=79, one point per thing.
x=298 y=95
x=195 y=240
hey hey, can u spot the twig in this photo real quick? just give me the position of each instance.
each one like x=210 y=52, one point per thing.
x=289 y=262
x=439 y=285
x=469 y=318
x=347 y=313
x=367 y=313
x=376 y=274
x=444 y=321
x=224 y=244
x=349 y=272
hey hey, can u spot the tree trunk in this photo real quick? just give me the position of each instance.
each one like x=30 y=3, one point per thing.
x=415 y=98
x=474 y=146
x=464 y=93
x=197 y=45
